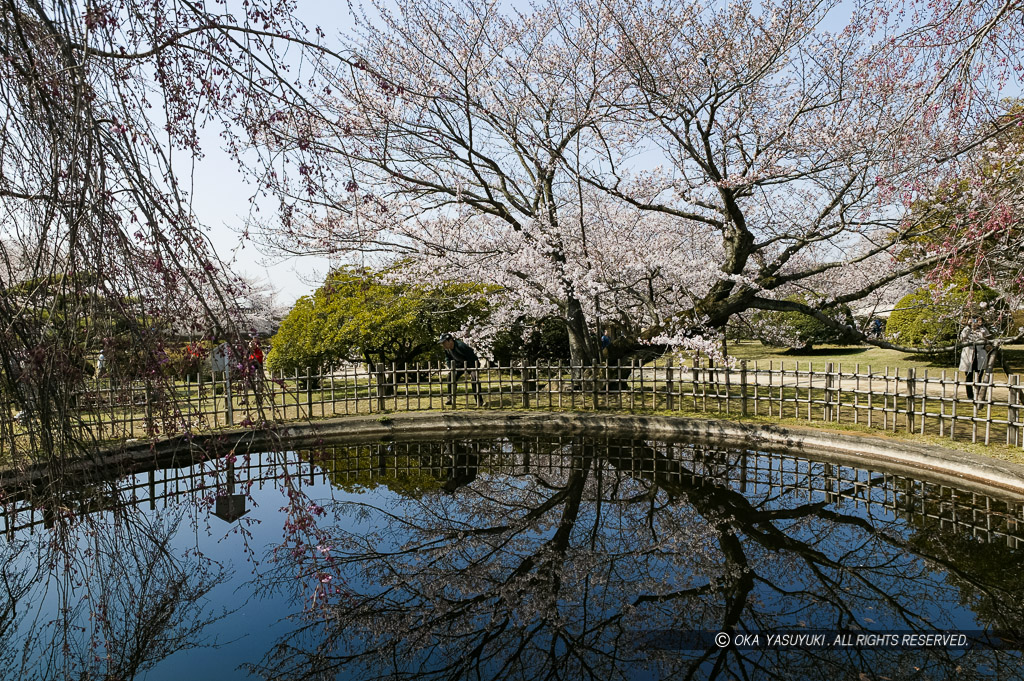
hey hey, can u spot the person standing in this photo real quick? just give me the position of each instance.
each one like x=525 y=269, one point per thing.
x=975 y=340
x=461 y=358
x=605 y=343
x=255 y=358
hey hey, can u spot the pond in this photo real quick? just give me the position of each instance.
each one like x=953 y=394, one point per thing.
x=517 y=558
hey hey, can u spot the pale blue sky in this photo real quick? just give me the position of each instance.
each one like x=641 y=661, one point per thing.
x=220 y=196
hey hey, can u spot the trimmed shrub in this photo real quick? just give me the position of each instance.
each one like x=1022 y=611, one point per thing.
x=797 y=330
x=188 y=360
x=932 y=318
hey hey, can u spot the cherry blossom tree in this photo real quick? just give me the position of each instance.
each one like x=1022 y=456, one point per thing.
x=969 y=50
x=661 y=166
x=981 y=236
x=448 y=133
x=804 y=149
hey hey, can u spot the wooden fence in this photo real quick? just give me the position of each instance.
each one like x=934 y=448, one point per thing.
x=920 y=401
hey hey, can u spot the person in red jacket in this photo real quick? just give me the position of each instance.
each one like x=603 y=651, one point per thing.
x=255 y=356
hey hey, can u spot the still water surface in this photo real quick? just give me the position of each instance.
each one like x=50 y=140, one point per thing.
x=528 y=558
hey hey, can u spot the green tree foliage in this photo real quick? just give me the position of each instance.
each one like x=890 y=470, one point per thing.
x=69 y=319
x=359 y=314
x=932 y=316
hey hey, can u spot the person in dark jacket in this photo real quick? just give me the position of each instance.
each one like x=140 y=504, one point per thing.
x=461 y=358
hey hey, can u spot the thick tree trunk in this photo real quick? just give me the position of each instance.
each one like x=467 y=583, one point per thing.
x=581 y=349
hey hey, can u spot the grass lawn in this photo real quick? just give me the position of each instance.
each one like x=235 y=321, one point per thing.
x=850 y=355
x=996 y=449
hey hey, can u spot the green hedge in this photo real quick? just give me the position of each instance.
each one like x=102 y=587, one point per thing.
x=799 y=331
x=930 y=318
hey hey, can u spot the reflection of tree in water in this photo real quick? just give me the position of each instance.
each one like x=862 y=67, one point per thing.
x=562 y=571
x=15 y=589
x=512 y=559
x=990 y=578
x=365 y=467
x=401 y=468
x=102 y=598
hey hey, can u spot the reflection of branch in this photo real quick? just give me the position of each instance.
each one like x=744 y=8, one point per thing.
x=758 y=526
x=17 y=591
x=10 y=610
x=126 y=592
x=512 y=578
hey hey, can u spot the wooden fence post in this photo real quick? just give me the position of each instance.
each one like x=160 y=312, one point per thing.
x=309 y=392
x=827 y=410
x=911 y=375
x=228 y=399
x=149 y=409
x=837 y=410
x=394 y=383
x=199 y=413
x=381 y=380
x=534 y=380
x=923 y=403
x=810 y=383
x=669 y=403
x=1012 y=411
x=560 y=384
x=632 y=384
x=743 y=387
x=526 y=384
x=942 y=405
x=989 y=391
x=694 y=376
x=408 y=389
x=956 y=399
x=895 y=397
x=782 y=384
x=728 y=387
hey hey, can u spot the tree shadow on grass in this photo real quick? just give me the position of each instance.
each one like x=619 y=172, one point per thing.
x=825 y=352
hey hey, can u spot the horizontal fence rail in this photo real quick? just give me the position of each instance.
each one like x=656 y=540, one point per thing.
x=934 y=402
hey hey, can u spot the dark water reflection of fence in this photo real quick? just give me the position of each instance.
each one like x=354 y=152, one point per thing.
x=440 y=463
